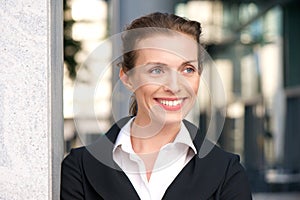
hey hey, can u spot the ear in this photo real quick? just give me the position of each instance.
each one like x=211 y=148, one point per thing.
x=125 y=79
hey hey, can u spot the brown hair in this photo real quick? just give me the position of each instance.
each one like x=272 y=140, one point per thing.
x=155 y=23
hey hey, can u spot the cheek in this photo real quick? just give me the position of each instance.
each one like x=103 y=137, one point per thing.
x=145 y=91
x=194 y=86
x=141 y=82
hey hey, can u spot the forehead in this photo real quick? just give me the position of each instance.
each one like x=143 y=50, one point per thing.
x=179 y=45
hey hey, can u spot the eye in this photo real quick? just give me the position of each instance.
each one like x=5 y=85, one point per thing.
x=189 y=70
x=156 y=70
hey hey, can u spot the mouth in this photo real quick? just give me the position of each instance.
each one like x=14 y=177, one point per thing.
x=170 y=104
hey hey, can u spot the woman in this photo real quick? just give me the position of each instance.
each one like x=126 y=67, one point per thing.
x=154 y=154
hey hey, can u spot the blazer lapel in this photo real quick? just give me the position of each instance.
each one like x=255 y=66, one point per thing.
x=102 y=172
x=203 y=145
x=200 y=178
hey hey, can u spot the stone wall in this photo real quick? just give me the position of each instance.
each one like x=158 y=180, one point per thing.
x=31 y=118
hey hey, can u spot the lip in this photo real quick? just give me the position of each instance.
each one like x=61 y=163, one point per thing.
x=170 y=104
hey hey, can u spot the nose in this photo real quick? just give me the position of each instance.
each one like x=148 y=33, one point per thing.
x=173 y=83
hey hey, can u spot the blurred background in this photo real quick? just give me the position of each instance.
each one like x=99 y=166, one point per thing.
x=255 y=47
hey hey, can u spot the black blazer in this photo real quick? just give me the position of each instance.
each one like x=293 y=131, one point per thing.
x=90 y=173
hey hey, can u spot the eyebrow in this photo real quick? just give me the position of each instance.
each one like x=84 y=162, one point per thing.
x=155 y=63
x=188 y=62
x=164 y=64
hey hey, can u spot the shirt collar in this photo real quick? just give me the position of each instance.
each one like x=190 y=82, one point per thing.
x=124 y=141
x=123 y=138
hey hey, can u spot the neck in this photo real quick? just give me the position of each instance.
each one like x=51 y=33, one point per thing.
x=149 y=138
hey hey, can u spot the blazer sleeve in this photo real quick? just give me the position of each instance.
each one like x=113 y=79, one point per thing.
x=236 y=185
x=71 y=177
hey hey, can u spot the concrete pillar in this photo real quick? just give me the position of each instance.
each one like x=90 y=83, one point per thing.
x=31 y=118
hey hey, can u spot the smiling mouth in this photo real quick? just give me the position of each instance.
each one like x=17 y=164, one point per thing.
x=171 y=104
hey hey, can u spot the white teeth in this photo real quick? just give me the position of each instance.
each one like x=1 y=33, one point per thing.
x=171 y=103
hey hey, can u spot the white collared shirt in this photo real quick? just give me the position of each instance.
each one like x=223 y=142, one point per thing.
x=170 y=161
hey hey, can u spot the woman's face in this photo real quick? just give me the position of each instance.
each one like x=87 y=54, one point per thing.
x=165 y=78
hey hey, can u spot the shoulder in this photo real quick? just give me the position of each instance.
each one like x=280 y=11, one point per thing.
x=75 y=153
x=71 y=175
x=208 y=150
x=74 y=157
x=224 y=172
x=222 y=168
x=103 y=144
x=221 y=155
x=227 y=168
x=216 y=159
x=235 y=183
x=230 y=162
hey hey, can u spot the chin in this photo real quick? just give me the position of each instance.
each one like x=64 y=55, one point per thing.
x=169 y=118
